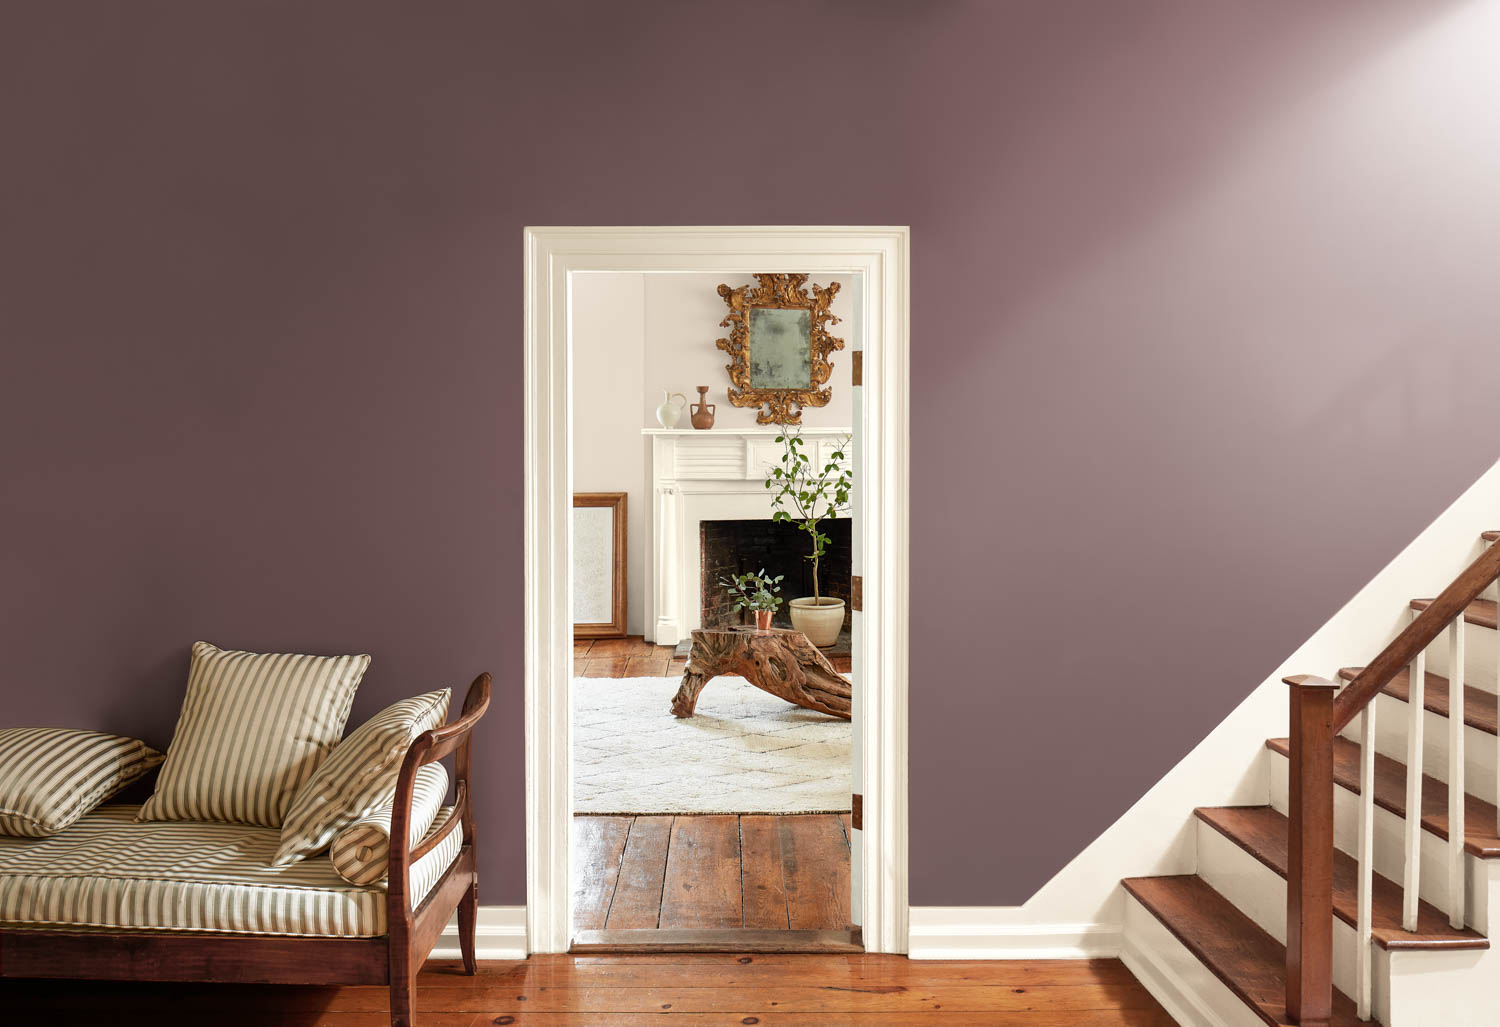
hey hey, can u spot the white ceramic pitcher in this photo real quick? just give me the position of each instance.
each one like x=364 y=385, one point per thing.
x=669 y=413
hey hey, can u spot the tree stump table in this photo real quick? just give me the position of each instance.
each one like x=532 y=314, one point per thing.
x=779 y=661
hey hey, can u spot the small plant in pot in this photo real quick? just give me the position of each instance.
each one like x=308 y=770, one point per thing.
x=756 y=593
x=806 y=496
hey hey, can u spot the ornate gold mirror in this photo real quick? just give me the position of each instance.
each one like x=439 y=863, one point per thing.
x=779 y=346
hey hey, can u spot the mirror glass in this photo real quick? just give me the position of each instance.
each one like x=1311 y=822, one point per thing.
x=593 y=564
x=780 y=348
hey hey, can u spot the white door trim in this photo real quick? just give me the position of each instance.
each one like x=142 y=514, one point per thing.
x=881 y=256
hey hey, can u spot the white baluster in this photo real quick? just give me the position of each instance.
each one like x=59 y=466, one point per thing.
x=1411 y=881
x=1456 y=772
x=1365 y=857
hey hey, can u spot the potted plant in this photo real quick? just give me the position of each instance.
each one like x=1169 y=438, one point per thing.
x=757 y=593
x=806 y=496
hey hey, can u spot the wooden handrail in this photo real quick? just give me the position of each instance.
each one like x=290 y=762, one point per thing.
x=1417 y=636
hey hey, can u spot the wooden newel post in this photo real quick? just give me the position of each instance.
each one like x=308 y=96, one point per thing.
x=1309 y=885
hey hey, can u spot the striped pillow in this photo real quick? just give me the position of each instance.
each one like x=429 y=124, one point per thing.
x=358 y=777
x=361 y=851
x=253 y=728
x=51 y=776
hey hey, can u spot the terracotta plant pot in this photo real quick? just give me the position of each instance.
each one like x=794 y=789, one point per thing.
x=763 y=620
x=820 y=620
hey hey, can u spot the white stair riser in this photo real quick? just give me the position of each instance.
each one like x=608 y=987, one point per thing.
x=1479 y=656
x=1390 y=851
x=1260 y=893
x=1175 y=977
x=1390 y=740
x=1441 y=989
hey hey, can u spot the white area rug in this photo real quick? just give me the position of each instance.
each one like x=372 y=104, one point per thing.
x=744 y=751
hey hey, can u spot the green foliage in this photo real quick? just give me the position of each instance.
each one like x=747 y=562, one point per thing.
x=806 y=496
x=754 y=591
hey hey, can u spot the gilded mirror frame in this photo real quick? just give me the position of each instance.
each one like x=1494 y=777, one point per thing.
x=779 y=292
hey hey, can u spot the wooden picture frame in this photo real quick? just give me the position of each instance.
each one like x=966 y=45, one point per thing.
x=793 y=373
x=599 y=565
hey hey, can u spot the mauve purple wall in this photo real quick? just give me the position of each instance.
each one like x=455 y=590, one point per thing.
x=1212 y=321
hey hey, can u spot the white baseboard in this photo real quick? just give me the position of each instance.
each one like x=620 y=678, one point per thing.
x=500 y=934
x=937 y=932
x=992 y=932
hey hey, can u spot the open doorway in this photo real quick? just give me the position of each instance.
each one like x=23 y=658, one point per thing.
x=875 y=262
x=712 y=759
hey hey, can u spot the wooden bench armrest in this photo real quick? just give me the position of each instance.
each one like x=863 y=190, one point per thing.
x=429 y=747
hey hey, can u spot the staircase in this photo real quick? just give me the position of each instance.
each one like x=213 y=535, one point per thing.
x=1388 y=915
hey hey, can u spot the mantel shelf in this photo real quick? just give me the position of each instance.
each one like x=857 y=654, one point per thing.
x=805 y=430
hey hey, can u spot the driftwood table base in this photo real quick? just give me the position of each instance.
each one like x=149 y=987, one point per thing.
x=778 y=661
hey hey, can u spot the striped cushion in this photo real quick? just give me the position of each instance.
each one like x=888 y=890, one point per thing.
x=51 y=776
x=359 y=775
x=111 y=871
x=253 y=728
x=361 y=851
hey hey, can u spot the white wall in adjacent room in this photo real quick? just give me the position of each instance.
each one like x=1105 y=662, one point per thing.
x=636 y=335
x=609 y=452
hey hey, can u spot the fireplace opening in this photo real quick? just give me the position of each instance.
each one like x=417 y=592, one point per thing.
x=738 y=547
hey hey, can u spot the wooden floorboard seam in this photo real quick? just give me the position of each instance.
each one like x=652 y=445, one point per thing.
x=619 y=864
x=666 y=861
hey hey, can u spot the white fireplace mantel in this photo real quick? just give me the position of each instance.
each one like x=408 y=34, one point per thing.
x=697 y=476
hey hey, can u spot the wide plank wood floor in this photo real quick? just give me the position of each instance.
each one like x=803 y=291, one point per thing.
x=711 y=872
x=634 y=657
x=604 y=991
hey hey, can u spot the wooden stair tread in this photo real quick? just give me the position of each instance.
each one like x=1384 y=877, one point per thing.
x=1262 y=832
x=1390 y=795
x=1480 y=611
x=1250 y=962
x=1491 y=536
x=1479 y=705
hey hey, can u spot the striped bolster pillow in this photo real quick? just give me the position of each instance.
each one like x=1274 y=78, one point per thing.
x=357 y=776
x=51 y=776
x=361 y=851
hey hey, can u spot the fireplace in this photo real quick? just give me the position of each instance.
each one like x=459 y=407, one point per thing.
x=720 y=476
x=731 y=547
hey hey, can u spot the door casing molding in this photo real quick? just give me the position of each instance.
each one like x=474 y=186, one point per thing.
x=880 y=255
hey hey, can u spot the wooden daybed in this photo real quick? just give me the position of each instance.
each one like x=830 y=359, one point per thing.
x=393 y=958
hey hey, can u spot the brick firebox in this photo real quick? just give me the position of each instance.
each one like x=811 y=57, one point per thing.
x=734 y=547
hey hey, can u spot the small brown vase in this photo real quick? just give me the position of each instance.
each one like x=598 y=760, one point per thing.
x=703 y=410
x=762 y=617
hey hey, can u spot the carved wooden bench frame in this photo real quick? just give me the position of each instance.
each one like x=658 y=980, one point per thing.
x=392 y=960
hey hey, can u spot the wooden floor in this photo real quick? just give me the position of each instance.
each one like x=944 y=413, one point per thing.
x=711 y=872
x=634 y=657
x=604 y=991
